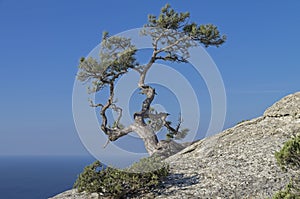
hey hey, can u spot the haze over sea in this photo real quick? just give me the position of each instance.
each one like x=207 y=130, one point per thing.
x=38 y=177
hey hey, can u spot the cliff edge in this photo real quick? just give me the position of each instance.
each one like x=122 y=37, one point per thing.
x=236 y=163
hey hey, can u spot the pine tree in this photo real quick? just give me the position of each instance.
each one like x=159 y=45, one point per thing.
x=173 y=35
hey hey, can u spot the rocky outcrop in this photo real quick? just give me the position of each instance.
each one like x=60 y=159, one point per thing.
x=287 y=106
x=236 y=163
x=73 y=194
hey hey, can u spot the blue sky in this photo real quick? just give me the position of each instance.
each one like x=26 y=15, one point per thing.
x=42 y=41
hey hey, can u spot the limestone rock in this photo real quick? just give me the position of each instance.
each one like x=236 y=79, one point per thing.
x=236 y=163
x=73 y=194
x=289 y=105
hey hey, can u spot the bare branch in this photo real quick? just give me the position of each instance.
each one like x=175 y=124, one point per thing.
x=106 y=143
x=138 y=69
x=119 y=111
x=114 y=134
x=149 y=92
x=94 y=105
x=146 y=68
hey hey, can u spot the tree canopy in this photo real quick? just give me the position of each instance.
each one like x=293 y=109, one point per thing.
x=172 y=36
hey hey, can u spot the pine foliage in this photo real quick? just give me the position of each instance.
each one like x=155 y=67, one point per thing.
x=288 y=158
x=141 y=177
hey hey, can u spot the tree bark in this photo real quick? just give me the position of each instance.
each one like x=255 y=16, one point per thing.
x=148 y=136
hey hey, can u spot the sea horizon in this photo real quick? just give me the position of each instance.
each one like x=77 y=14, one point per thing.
x=39 y=176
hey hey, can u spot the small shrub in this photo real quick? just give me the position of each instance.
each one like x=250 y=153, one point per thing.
x=289 y=155
x=288 y=158
x=291 y=191
x=141 y=176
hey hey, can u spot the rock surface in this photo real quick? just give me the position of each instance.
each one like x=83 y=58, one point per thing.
x=289 y=105
x=73 y=194
x=236 y=163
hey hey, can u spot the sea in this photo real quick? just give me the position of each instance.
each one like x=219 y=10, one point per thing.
x=39 y=177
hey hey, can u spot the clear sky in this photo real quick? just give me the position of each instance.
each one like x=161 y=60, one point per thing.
x=42 y=41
